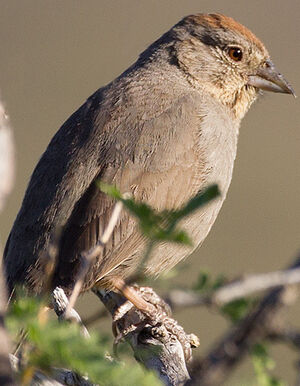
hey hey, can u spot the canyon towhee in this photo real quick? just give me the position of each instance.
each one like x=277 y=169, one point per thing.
x=163 y=130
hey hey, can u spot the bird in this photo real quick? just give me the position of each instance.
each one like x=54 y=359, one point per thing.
x=163 y=131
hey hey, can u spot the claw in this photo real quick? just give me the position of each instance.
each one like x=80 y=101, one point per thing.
x=144 y=311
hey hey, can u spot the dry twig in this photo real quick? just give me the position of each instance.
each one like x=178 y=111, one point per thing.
x=247 y=286
x=6 y=157
x=267 y=317
x=6 y=182
x=163 y=347
x=89 y=256
x=60 y=304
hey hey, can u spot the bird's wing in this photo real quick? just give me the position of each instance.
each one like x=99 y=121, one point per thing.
x=164 y=167
x=63 y=174
x=154 y=157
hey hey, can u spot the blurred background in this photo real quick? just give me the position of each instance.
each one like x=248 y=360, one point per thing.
x=55 y=53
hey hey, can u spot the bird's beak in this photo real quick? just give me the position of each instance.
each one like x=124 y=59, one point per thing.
x=269 y=79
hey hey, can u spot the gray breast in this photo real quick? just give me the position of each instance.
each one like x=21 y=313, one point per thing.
x=217 y=141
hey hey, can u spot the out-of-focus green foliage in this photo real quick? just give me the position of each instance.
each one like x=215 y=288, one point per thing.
x=50 y=344
x=234 y=310
x=162 y=226
x=263 y=363
x=237 y=309
x=205 y=283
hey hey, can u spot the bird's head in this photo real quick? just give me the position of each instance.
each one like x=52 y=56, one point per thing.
x=225 y=59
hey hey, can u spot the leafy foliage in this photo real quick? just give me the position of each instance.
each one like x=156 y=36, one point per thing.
x=263 y=363
x=162 y=226
x=205 y=283
x=234 y=310
x=237 y=309
x=50 y=343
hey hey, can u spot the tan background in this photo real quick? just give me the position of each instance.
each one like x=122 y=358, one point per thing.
x=55 y=53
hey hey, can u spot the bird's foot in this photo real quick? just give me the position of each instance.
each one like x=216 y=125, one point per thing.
x=150 y=322
x=149 y=309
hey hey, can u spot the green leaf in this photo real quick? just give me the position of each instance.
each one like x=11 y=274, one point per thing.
x=60 y=344
x=219 y=282
x=198 y=201
x=203 y=282
x=263 y=363
x=161 y=226
x=110 y=190
x=237 y=309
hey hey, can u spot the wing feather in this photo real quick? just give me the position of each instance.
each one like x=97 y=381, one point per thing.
x=164 y=170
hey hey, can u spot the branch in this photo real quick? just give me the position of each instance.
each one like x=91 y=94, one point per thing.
x=6 y=157
x=6 y=182
x=89 y=256
x=60 y=304
x=237 y=289
x=256 y=283
x=287 y=335
x=163 y=347
x=59 y=377
x=256 y=326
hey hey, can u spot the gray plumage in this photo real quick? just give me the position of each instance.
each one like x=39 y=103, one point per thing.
x=155 y=132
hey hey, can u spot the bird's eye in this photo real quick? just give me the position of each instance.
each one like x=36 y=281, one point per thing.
x=235 y=53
